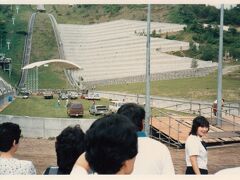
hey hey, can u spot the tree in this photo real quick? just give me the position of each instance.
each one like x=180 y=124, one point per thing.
x=194 y=63
x=154 y=33
x=208 y=52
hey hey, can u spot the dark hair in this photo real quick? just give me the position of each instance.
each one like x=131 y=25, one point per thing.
x=69 y=146
x=199 y=121
x=134 y=112
x=8 y=133
x=110 y=141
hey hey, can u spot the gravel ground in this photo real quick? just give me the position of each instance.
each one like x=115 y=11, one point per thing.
x=42 y=153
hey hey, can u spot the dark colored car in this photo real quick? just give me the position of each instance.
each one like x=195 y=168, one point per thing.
x=48 y=95
x=75 y=109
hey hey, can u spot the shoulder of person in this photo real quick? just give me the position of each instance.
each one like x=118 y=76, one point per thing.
x=28 y=165
x=151 y=143
x=192 y=139
x=26 y=162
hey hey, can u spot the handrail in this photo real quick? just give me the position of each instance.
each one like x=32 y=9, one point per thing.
x=179 y=122
x=61 y=49
x=200 y=109
x=172 y=106
x=27 y=50
x=223 y=120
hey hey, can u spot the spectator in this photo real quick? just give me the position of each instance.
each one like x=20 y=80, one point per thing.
x=153 y=156
x=67 y=102
x=111 y=147
x=69 y=146
x=214 y=107
x=58 y=102
x=9 y=141
x=195 y=148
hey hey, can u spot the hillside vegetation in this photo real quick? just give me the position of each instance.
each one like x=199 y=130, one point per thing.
x=16 y=34
x=89 y=14
x=44 y=44
x=207 y=37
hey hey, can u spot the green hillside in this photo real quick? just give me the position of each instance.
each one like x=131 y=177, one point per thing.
x=16 y=34
x=44 y=45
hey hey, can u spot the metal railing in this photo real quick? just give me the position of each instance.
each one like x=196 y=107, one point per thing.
x=68 y=73
x=171 y=129
x=27 y=51
x=226 y=123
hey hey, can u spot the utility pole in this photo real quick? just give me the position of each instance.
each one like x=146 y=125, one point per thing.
x=220 y=56
x=147 y=101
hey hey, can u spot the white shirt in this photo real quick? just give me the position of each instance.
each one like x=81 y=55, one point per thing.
x=78 y=170
x=193 y=146
x=153 y=158
x=12 y=166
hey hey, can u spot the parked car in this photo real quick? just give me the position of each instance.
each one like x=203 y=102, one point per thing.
x=92 y=96
x=63 y=96
x=75 y=109
x=115 y=105
x=98 y=109
x=48 y=95
x=25 y=94
x=72 y=95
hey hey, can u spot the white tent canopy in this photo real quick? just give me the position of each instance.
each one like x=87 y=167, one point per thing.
x=70 y=64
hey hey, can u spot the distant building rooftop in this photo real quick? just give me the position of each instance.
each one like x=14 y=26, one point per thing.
x=41 y=8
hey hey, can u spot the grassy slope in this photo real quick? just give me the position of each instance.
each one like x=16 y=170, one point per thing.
x=17 y=41
x=202 y=88
x=41 y=107
x=97 y=14
x=44 y=47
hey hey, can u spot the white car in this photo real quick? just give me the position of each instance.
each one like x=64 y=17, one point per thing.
x=98 y=109
x=115 y=105
x=72 y=95
x=93 y=97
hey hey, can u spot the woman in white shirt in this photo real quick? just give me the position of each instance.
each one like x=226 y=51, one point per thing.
x=195 y=149
x=9 y=141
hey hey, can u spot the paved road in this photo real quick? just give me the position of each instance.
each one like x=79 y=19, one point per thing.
x=172 y=103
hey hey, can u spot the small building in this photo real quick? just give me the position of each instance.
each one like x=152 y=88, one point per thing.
x=41 y=8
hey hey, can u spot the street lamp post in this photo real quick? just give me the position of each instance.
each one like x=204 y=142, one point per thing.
x=8 y=44
x=13 y=20
x=17 y=8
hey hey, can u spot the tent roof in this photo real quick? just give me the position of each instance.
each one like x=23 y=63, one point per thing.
x=69 y=64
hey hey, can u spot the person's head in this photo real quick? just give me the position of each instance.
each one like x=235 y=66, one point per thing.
x=134 y=112
x=200 y=126
x=111 y=145
x=69 y=146
x=9 y=136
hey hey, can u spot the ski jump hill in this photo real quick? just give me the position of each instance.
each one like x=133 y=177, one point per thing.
x=115 y=52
